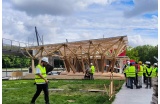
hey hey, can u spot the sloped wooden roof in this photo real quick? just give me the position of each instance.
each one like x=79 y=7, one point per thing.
x=108 y=47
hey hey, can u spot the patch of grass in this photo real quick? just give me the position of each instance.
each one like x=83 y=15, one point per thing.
x=22 y=91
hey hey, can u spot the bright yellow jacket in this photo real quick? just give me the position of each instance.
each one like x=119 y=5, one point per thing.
x=38 y=79
x=92 y=69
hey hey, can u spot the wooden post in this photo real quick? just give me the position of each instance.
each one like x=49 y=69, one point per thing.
x=33 y=70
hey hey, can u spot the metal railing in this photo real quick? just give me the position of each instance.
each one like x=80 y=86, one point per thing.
x=12 y=45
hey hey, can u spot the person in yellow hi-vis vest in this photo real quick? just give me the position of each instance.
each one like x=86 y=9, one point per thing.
x=140 y=74
x=132 y=75
x=41 y=81
x=148 y=75
x=92 y=71
x=154 y=72
x=144 y=72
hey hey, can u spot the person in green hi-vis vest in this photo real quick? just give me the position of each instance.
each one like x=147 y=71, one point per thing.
x=41 y=81
x=92 y=71
x=132 y=75
x=140 y=74
x=148 y=75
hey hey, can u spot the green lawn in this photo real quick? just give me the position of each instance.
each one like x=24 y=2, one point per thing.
x=21 y=92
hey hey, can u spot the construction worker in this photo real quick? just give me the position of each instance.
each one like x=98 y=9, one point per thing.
x=148 y=74
x=92 y=70
x=126 y=67
x=140 y=74
x=41 y=81
x=137 y=68
x=132 y=75
x=154 y=72
x=144 y=72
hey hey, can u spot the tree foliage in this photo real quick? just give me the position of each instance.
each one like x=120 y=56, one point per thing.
x=143 y=53
x=11 y=61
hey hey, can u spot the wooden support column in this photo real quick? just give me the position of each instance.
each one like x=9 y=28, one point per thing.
x=111 y=78
x=71 y=66
x=33 y=69
x=113 y=63
x=102 y=63
x=97 y=67
x=66 y=65
x=110 y=65
x=83 y=67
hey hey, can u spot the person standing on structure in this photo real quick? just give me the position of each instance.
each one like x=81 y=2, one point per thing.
x=92 y=71
x=140 y=74
x=41 y=81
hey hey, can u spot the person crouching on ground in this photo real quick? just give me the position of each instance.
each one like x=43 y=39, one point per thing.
x=41 y=81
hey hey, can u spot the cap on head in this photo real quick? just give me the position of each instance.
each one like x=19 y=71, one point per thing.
x=91 y=63
x=140 y=62
x=45 y=59
x=147 y=62
x=155 y=64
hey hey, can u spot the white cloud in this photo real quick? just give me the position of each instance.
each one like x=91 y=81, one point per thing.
x=85 y=22
x=141 y=7
x=138 y=40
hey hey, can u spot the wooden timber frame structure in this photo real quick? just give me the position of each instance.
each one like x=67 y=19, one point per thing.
x=81 y=53
x=76 y=55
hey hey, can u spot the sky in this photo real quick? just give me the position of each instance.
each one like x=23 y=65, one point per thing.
x=75 y=20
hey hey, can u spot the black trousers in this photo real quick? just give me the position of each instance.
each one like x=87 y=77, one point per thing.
x=133 y=80
x=91 y=75
x=144 y=77
x=41 y=87
x=148 y=82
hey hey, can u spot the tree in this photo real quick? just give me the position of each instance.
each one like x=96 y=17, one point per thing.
x=143 y=53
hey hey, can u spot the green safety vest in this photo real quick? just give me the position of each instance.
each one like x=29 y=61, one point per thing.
x=92 y=69
x=144 y=68
x=125 y=68
x=126 y=71
x=140 y=72
x=38 y=79
x=154 y=72
x=132 y=71
x=149 y=70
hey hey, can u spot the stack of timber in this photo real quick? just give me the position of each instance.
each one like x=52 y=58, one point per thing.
x=79 y=75
x=155 y=91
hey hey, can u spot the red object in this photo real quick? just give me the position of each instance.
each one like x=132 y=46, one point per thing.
x=132 y=61
x=123 y=53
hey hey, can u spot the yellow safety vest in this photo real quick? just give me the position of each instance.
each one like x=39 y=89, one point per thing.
x=38 y=79
x=126 y=71
x=92 y=69
x=144 y=68
x=149 y=70
x=132 y=71
x=140 y=73
x=154 y=72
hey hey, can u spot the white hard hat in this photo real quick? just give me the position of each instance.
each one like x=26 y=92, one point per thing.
x=91 y=63
x=45 y=59
x=147 y=62
x=155 y=64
